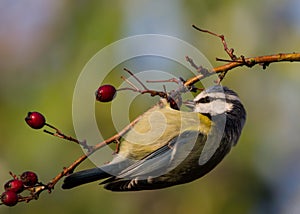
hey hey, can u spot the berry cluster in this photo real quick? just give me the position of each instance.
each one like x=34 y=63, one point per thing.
x=17 y=185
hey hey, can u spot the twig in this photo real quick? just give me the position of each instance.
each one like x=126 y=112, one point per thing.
x=137 y=79
x=200 y=69
x=175 y=80
x=60 y=134
x=229 y=51
x=145 y=90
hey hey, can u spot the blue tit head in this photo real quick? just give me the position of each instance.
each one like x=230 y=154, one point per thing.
x=221 y=102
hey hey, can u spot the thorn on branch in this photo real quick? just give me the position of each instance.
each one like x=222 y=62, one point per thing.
x=249 y=63
x=265 y=65
x=221 y=77
x=118 y=143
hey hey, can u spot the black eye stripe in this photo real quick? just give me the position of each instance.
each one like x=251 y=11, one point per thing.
x=211 y=99
x=204 y=100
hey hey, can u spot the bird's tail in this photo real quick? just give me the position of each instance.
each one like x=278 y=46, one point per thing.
x=83 y=177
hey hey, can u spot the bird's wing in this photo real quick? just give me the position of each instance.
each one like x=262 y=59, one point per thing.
x=155 y=164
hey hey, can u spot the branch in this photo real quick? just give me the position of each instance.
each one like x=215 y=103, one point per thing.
x=235 y=61
x=249 y=62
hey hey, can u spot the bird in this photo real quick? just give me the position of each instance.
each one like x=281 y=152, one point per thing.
x=168 y=147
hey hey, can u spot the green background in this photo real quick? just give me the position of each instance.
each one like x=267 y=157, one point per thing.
x=44 y=45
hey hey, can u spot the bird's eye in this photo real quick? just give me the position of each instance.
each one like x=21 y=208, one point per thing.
x=204 y=100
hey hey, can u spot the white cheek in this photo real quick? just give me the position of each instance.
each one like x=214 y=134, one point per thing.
x=214 y=108
x=218 y=107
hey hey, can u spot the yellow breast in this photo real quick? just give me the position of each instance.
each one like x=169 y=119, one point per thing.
x=157 y=127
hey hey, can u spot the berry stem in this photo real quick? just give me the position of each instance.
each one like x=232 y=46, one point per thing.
x=60 y=134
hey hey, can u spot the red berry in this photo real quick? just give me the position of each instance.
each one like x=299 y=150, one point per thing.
x=9 y=198
x=14 y=185
x=29 y=178
x=106 y=93
x=35 y=120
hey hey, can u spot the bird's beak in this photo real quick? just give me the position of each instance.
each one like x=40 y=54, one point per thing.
x=189 y=103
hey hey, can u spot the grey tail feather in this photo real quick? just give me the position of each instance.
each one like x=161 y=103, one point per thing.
x=83 y=177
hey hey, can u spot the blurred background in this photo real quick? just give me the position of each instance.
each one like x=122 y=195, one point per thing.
x=44 y=45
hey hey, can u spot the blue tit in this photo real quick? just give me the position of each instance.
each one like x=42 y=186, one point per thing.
x=168 y=147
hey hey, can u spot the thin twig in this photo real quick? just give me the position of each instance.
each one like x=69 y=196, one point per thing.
x=200 y=69
x=229 y=51
x=60 y=134
x=137 y=79
x=131 y=84
x=175 y=80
